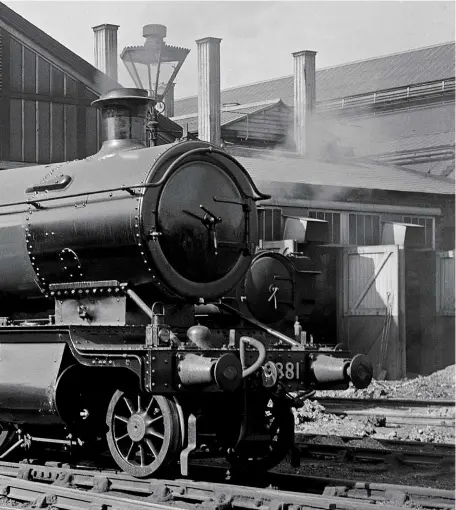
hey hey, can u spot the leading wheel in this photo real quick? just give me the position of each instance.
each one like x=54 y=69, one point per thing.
x=260 y=457
x=144 y=432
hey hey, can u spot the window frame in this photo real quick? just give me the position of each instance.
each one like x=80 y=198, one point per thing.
x=431 y=245
x=332 y=212
x=379 y=216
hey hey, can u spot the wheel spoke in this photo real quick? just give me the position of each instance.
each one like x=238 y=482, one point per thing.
x=117 y=439
x=129 y=405
x=153 y=432
x=152 y=447
x=150 y=404
x=121 y=418
x=130 y=451
x=139 y=402
x=142 y=455
x=154 y=420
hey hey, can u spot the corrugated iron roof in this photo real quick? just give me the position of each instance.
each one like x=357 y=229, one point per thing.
x=419 y=129
x=379 y=73
x=400 y=123
x=407 y=144
x=228 y=114
x=444 y=168
x=344 y=174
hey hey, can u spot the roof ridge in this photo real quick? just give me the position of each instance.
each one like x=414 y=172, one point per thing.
x=265 y=102
x=388 y=55
x=236 y=110
x=269 y=80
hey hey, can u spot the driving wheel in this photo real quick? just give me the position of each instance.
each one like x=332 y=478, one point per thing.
x=264 y=455
x=143 y=432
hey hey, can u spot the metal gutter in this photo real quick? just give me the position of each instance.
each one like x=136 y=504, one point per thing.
x=356 y=207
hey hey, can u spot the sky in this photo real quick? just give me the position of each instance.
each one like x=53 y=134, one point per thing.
x=258 y=37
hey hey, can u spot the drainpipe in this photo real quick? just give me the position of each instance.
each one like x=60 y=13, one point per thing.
x=169 y=101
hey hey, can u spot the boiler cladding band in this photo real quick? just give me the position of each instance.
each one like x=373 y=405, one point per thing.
x=35 y=203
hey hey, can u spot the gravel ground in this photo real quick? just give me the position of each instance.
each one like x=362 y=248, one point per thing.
x=437 y=386
x=313 y=419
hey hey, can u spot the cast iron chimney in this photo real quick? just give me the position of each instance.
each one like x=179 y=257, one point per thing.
x=209 y=89
x=304 y=97
x=105 y=49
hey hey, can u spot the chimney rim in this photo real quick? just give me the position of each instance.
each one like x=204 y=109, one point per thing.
x=208 y=39
x=310 y=53
x=121 y=94
x=103 y=26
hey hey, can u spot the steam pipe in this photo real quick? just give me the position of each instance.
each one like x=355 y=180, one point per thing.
x=259 y=324
x=140 y=303
x=261 y=355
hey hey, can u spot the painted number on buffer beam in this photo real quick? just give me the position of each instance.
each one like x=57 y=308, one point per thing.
x=288 y=370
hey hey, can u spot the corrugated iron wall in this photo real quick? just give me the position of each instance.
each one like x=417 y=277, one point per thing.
x=1 y=61
x=267 y=128
x=46 y=113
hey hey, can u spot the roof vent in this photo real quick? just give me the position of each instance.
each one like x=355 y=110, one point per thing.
x=225 y=105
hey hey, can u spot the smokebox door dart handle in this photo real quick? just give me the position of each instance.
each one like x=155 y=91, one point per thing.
x=200 y=218
x=273 y=290
x=209 y=220
x=210 y=217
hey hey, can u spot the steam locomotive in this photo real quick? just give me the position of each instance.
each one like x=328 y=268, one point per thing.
x=281 y=286
x=112 y=322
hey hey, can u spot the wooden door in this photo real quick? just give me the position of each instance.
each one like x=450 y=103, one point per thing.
x=373 y=307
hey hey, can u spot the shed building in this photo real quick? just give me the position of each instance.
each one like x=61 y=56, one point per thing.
x=395 y=109
x=375 y=156
x=385 y=290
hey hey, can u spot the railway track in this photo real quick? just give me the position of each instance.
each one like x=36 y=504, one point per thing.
x=392 y=403
x=396 y=411
x=69 y=488
x=409 y=453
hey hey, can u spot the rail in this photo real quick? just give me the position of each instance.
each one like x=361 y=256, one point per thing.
x=82 y=488
x=366 y=403
x=396 y=411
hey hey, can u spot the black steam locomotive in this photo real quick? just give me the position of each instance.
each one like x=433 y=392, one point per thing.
x=112 y=271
